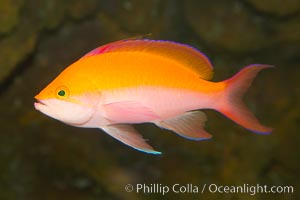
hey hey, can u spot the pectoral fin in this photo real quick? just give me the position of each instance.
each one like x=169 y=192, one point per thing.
x=128 y=112
x=128 y=135
x=189 y=125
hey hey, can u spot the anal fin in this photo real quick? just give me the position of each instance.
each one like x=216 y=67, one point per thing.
x=189 y=125
x=129 y=136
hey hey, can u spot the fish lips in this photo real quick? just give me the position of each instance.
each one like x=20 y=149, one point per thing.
x=39 y=104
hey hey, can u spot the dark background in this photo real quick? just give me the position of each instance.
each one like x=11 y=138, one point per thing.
x=41 y=158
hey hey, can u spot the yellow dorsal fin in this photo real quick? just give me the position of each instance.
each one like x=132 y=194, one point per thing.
x=190 y=57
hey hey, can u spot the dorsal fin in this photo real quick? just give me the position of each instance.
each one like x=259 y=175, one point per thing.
x=190 y=57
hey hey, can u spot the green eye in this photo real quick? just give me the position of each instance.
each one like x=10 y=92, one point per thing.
x=61 y=93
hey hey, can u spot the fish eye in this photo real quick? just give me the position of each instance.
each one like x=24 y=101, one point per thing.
x=62 y=92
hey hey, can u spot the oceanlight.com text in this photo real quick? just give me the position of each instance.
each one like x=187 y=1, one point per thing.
x=157 y=188
x=250 y=189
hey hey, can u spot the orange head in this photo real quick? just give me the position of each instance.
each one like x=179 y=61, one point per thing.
x=64 y=99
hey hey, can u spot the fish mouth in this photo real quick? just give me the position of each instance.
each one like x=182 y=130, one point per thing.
x=39 y=103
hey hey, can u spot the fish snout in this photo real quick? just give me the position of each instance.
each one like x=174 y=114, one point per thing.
x=38 y=103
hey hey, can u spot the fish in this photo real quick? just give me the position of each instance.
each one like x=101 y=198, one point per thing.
x=136 y=81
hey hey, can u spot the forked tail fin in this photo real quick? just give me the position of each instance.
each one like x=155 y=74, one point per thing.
x=232 y=106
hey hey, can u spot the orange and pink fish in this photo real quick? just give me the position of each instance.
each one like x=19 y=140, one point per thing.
x=137 y=81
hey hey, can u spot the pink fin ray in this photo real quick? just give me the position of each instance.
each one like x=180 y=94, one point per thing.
x=102 y=49
x=129 y=136
x=189 y=125
x=128 y=112
x=190 y=58
x=232 y=106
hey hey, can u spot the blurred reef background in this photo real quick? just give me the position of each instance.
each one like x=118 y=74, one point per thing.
x=41 y=158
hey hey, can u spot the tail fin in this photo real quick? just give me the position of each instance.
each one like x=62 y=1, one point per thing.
x=232 y=105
